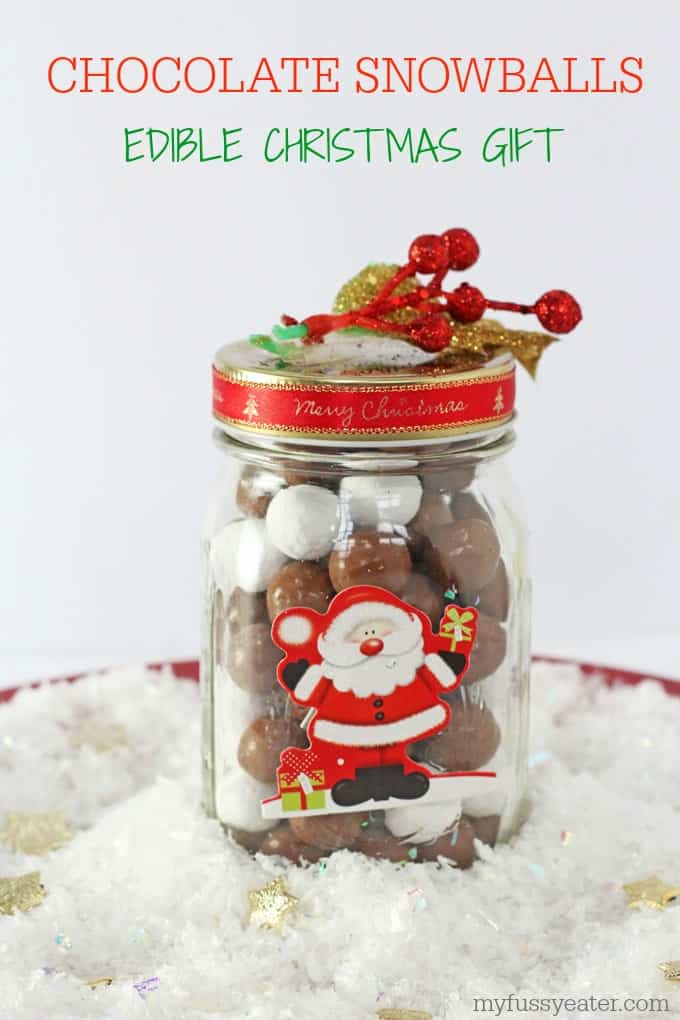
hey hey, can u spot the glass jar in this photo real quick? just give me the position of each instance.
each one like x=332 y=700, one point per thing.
x=365 y=656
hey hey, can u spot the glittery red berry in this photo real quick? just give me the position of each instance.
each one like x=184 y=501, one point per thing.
x=463 y=249
x=466 y=303
x=557 y=311
x=432 y=333
x=429 y=253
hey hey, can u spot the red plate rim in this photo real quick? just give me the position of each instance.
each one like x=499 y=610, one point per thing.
x=187 y=669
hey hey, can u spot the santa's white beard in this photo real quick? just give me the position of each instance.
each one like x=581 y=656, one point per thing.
x=377 y=674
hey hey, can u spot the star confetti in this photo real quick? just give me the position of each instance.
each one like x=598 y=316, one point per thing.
x=21 y=893
x=36 y=834
x=270 y=904
x=101 y=736
x=95 y=982
x=650 y=892
x=404 y=1014
x=670 y=970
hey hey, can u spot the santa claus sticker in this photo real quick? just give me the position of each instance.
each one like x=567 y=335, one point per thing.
x=374 y=677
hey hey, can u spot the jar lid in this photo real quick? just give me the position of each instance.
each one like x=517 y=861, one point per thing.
x=359 y=389
x=399 y=359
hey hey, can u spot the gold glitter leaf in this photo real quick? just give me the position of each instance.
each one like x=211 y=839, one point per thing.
x=270 y=904
x=363 y=287
x=650 y=892
x=21 y=893
x=36 y=833
x=670 y=970
x=404 y=1014
x=488 y=337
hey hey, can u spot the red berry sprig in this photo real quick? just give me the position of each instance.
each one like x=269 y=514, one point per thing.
x=431 y=329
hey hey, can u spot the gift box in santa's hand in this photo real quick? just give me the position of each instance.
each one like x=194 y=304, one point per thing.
x=373 y=673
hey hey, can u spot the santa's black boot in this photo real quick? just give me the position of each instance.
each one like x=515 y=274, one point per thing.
x=348 y=792
x=406 y=785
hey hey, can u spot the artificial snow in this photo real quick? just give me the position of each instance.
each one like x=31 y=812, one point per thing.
x=152 y=894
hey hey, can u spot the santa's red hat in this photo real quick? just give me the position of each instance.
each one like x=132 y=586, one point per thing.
x=297 y=631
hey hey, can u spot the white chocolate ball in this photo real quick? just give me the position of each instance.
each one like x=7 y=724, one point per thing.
x=238 y=800
x=242 y=556
x=375 y=499
x=303 y=521
x=422 y=823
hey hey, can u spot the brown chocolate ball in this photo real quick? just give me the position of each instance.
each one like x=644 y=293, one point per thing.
x=371 y=557
x=260 y=746
x=486 y=828
x=494 y=598
x=465 y=506
x=457 y=846
x=435 y=510
x=425 y=595
x=282 y=841
x=253 y=657
x=465 y=554
x=328 y=832
x=302 y=584
x=450 y=479
x=470 y=740
x=255 y=490
x=379 y=843
x=248 y=840
x=245 y=607
x=488 y=650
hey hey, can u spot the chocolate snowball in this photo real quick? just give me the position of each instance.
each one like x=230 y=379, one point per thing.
x=371 y=557
x=379 y=843
x=488 y=650
x=465 y=506
x=494 y=599
x=464 y=554
x=329 y=832
x=486 y=828
x=301 y=584
x=435 y=510
x=245 y=607
x=457 y=846
x=469 y=741
x=260 y=747
x=448 y=480
x=282 y=841
x=255 y=490
x=303 y=521
x=242 y=555
x=425 y=595
x=371 y=499
x=248 y=840
x=253 y=657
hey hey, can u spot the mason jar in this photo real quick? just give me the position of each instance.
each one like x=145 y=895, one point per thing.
x=365 y=652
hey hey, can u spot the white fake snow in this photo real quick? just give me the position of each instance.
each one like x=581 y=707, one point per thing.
x=151 y=888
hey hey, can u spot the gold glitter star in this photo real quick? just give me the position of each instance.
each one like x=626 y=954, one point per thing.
x=404 y=1014
x=270 y=904
x=363 y=287
x=650 y=892
x=36 y=833
x=670 y=970
x=21 y=893
x=99 y=735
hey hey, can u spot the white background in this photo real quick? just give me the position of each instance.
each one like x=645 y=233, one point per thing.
x=120 y=280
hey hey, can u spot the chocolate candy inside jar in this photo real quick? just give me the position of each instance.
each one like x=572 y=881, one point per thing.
x=365 y=658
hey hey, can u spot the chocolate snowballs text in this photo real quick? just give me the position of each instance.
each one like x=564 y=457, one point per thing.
x=369 y=75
